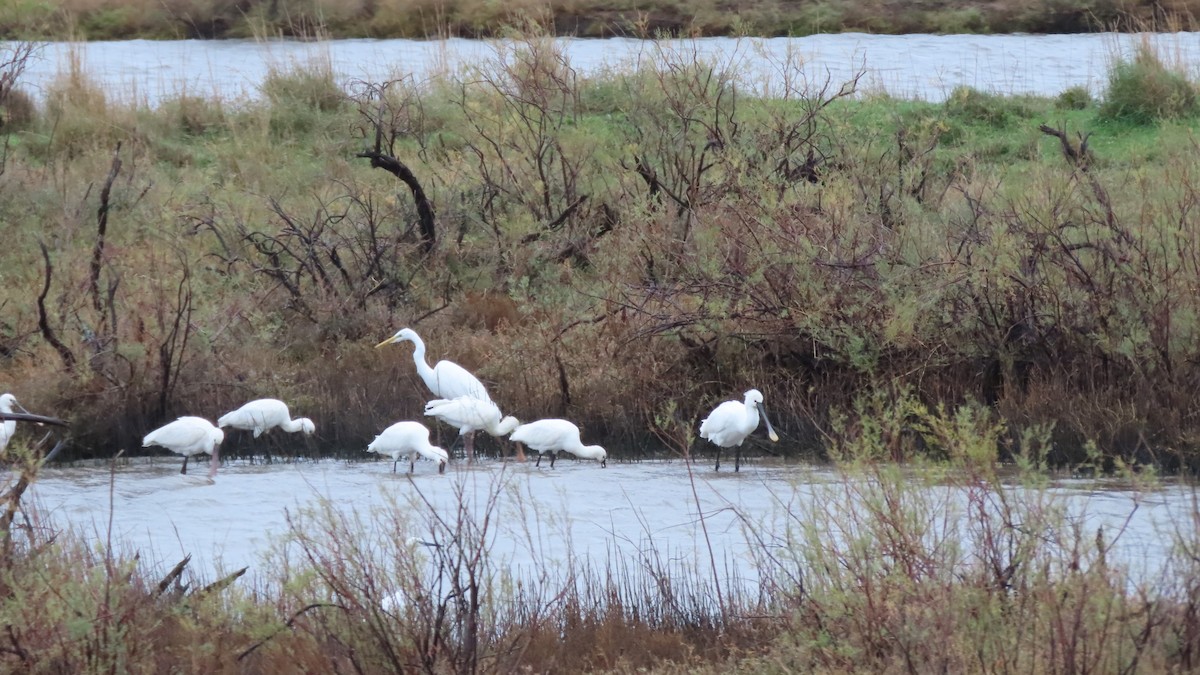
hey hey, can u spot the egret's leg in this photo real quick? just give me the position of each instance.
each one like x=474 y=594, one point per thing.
x=441 y=467
x=718 y=466
x=539 y=462
x=553 y=456
x=737 y=459
x=184 y=469
x=394 y=463
x=412 y=465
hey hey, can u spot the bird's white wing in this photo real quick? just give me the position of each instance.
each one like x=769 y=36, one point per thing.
x=464 y=411
x=180 y=433
x=720 y=419
x=453 y=381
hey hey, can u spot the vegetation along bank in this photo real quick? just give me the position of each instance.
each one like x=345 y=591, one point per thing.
x=623 y=250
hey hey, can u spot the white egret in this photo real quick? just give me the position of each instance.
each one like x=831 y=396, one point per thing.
x=189 y=436
x=731 y=422
x=408 y=438
x=471 y=415
x=551 y=436
x=263 y=415
x=9 y=427
x=447 y=379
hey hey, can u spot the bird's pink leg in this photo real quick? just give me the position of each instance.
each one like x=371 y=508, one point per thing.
x=521 y=452
x=216 y=462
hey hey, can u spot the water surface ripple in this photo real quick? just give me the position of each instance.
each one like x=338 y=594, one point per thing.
x=576 y=509
x=918 y=66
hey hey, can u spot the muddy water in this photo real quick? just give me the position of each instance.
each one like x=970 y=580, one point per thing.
x=545 y=515
x=912 y=66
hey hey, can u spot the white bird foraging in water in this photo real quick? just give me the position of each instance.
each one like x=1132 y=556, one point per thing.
x=447 y=379
x=731 y=422
x=551 y=436
x=188 y=436
x=9 y=427
x=408 y=438
x=263 y=415
x=471 y=415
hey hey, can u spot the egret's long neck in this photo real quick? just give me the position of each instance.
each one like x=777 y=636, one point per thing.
x=423 y=368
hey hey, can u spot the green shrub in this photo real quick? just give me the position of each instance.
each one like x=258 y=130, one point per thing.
x=299 y=95
x=1145 y=90
x=312 y=87
x=193 y=115
x=968 y=104
x=1075 y=98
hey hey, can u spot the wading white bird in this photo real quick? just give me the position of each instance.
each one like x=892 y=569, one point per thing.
x=731 y=422
x=263 y=415
x=551 y=436
x=471 y=415
x=9 y=427
x=411 y=439
x=447 y=379
x=189 y=436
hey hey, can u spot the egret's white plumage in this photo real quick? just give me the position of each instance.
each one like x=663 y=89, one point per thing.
x=188 y=436
x=263 y=415
x=731 y=422
x=411 y=439
x=446 y=379
x=551 y=436
x=470 y=415
x=9 y=427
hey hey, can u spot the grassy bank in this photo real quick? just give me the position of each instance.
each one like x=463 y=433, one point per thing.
x=949 y=568
x=125 y=19
x=623 y=250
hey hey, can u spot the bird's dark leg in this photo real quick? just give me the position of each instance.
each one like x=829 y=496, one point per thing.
x=737 y=459
x=441 y=467
x=394 y=463
x=469 y=441
x=539 y=462
x=553 y=456
x=184 y=469
x=412 y=465
x=718 y=466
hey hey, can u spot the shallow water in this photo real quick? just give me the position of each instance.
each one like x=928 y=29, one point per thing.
x=918 y=66
x=578 y=509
